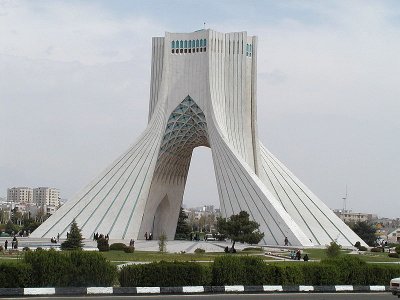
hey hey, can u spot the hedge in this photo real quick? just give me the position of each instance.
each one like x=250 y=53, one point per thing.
x=72 y=268
x=118 y=246
x=15 y=274
x=246 y=270
x=165 y=274
x=251 y=270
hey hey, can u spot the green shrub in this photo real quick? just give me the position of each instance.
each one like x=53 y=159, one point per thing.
x=173 y=274
x=74 y=268
x=393 y=255
x=397 y=249
x=253 y=249
x=357 y=244
x=362 y=248
x=117 y=246
x=91 y=269
x=102 y=245
x=129 y=249
x=49 y=268
x=379 y=274
x=199 y=251
x=333 y=250
x=15 y=275
x=320 y=274
x=26 y=249
x=376 y=249
x=351 y=269
x=289 y=274
x=246 y=270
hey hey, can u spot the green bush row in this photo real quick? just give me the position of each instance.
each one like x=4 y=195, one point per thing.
x=15 y=274
x=165 y=274
x=79 y=268
x=58 y=269
x=232 y=270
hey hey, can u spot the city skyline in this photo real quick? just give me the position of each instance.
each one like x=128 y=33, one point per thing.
x=327 y=93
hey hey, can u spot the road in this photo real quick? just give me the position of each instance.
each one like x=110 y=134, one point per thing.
x=291 y=296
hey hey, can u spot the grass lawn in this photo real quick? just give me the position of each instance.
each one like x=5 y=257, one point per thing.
x=120 y=256
x=319 y=254
x=377 y=257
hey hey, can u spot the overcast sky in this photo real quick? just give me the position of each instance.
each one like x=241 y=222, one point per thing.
x=75 y=75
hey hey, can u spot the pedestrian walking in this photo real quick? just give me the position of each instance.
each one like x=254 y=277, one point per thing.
x=286 y=241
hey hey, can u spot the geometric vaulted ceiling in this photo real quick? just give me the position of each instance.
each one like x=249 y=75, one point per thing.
x=186 y=129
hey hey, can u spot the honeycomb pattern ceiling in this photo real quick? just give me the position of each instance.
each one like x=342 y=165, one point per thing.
x=186 y=129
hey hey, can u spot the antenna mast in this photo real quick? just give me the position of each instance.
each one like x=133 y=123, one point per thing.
x=345 y=200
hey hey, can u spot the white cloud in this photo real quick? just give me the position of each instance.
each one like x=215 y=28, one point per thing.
x=66 y=31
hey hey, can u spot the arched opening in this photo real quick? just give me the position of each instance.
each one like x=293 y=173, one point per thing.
x=201 y=185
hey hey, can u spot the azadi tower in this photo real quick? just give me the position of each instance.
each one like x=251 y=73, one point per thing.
x=203 y=93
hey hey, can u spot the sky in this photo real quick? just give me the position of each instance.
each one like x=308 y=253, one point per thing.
x=75 y=76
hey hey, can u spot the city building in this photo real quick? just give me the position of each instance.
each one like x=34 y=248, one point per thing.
x=203 y=92
x=20 y=195
x=29 y=202
x=46 y=196
x=394 y=236
x=349 y=216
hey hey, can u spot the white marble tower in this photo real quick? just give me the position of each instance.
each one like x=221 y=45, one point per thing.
x=202 y=93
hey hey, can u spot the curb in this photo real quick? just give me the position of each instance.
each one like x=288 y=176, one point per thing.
x=192 y=290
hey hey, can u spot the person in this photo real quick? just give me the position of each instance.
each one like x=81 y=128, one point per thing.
x=286 y=241
x=132 y=243
x=292 y=254
x=58 y=237
x=305 y=258
x=150 y=236
x=6 y=244
x=146 y=236
x=298 y=254
x=16 y=244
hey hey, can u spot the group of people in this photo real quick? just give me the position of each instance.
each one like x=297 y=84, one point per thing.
x=149 y=236
x=194 y=236
x=132 y=243
x=14 y=243
x=98 y=236
x=55 y=240
x=296 y=255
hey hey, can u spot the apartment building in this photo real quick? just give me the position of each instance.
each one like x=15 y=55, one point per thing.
x=20 y=195
x=46 y=196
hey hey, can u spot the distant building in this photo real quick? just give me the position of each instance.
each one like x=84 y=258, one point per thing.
x=46 y=196
x=20 y=195
x=28 y=201
x=353 y=217
x=208 y=208
x=394 y=236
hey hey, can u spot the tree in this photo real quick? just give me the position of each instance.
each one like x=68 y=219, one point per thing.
x=74 y=239
x=365 y=231
x=162 y=243
x=182 y=228
x=333 y=250
x=240 y=229
x=11 y=228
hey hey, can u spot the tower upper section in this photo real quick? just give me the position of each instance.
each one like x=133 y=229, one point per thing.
x=217 y=70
